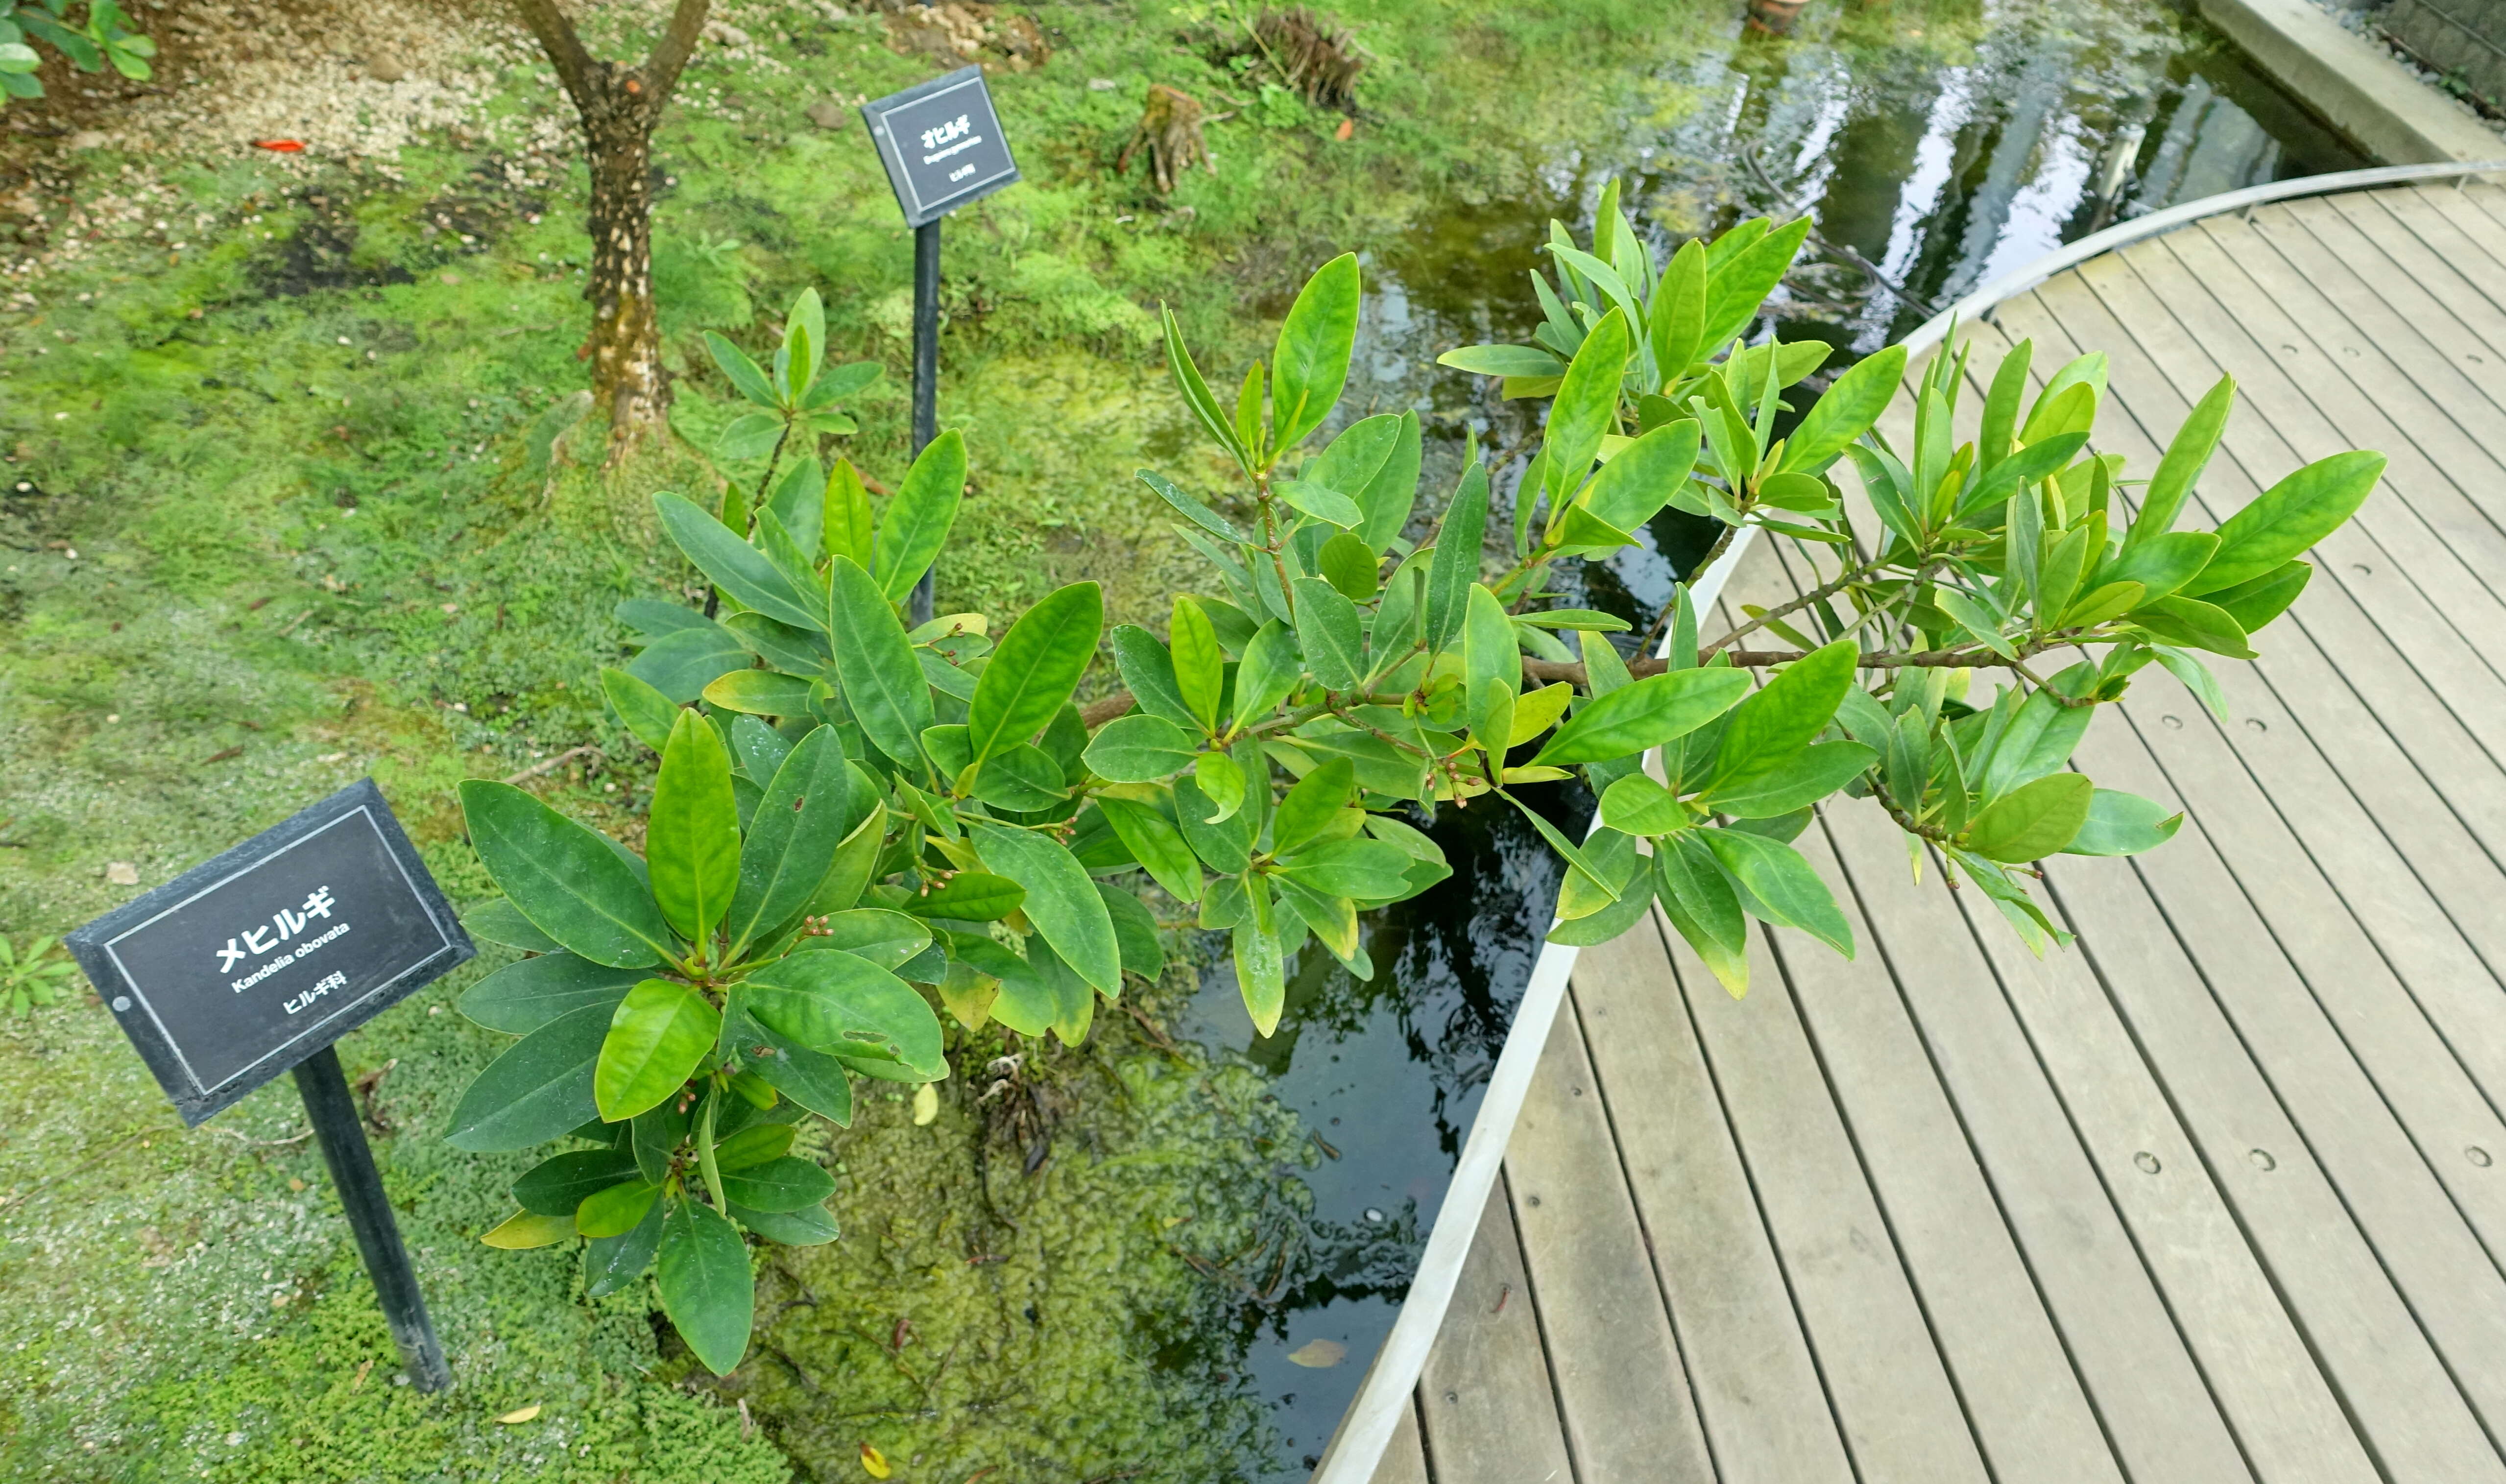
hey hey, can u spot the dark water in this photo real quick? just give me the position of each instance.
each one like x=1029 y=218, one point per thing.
x=1941 y=146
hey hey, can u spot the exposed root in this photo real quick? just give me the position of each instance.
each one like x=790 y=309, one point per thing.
x=1320 y=60
x=1170 y=129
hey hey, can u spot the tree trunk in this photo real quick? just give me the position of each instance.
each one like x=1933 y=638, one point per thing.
x=626 y=344
x=619 y=107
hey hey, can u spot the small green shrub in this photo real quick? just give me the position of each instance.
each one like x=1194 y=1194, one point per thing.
x=860 y=807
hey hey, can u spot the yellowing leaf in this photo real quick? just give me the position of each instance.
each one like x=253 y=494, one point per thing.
x=1318 y=1354
x=520 y=1415
x=1537 y=711
x=529 y=1228
x=873 y=1461
x=926 y=1103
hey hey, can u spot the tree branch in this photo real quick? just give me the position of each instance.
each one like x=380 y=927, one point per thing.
x=1757 y=660
x=575 y=67
x=678 y=42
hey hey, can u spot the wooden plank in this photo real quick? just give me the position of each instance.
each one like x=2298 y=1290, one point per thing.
x=2031 y=1418
x=1900 y=1413
x=2442 y=259
x=1621 y=1389
x=2251 y=1067
x=1759 y=1393
x=2333 y=617
x=1405 y=1458
x=2389 y=261
x=2472 y=236
x=1484 y=1398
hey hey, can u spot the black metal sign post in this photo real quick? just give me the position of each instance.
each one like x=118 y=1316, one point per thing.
x=943 y=147
x=255 y=963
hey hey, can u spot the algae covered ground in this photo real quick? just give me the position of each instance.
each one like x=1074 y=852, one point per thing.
x=295 y=493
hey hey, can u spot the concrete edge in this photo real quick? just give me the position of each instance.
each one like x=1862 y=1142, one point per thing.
x=2381 y=105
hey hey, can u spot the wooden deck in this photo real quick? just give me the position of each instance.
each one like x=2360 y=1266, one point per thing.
x=2220 y=1194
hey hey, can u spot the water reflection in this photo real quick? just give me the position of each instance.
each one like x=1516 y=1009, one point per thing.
x=1928 y=164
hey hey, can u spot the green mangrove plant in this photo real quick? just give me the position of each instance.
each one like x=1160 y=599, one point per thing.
x=858 y=823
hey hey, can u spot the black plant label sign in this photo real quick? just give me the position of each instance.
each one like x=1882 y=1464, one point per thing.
x=941 y=144
x=239 y=968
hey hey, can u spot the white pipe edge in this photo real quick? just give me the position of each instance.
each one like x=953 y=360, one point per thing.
x=1366 y=1430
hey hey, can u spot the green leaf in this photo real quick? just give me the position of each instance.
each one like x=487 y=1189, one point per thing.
x=1783 y=884
x=1309 y=364
x=886 y=938
x=1261 y=968
x=754 y=1145
x=655 y=1135
x=1318 y=801
x=1363 y=869
x=734 y=565
x=2121 y=823
x=618 y=1210
x=2001 y=406
x=1844 y=411
x=691 y=840
x=917 y=520
x=1677 y=318
x=1192 y=509
x=845 y=518
x=1770 y=728
x=1581 y=619
x=525 y=1231
x=788 y=1184
x=565 y=878
x=1022 y=779
x=1349 y=565
x=2161 y=563
x=1503 y=361
x=1195 y=391
x=1269 y=671
x=1149 y=671
x=501 y=922
x=1643 y=475
x=610 y=1263
x=1791 y=783
x=539 y=1089
x=745 y=375
x=1135 y=928
x=1644 y=715
x=1638 y=805
x=809 y=1226
x=804 y=342
x=1741 y=283
x=811 y=1079
x=1140 y=748
x=2287 y=518
x=1061 y=901
x=1320 y=502
x=970 y=896
x=557 y=1184
x=2187 y=453
x=1035 y=668
x=658 y=1037
x=1199 y=665
x=521 y=998
x=883 y=683
x=1491 y=671
x=809 y=806
x=681 y=663
x=1603 y=925
x=760 y=693
x=646 y=711
x=1586 y=407
x=2032 y=821
x=838 y=1003
x=2195 y=625
x=1393 y=488
x=1698 y=899
x=1225 y=844
x=2254 y=603
x=1456 y=565
x=705 y=1284
x=1153 y=838
x=1327 y=632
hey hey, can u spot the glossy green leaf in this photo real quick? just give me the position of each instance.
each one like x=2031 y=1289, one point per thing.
x=1363 y=869
x=1696 y=896
x=1195 y=391
x=2033 y=821
x=1503 y=361
x=1586 y=407
x=1643 y=475
x=1023 y=778
x=501 y=922
x=1742 y=282
x=731 y=563
x=917 y=520
x=567 y=880
x=1140 y=748
x=838 y=1003
x=1320 y=502
x=1308 y=810
x=1269 y=672
x=883 y=683
x=885 y=937
x=1309 y=364
x=706 y=1287
x=1155 y=840
x=1645 y=714
x=1261 y=968
x=811 y=1080
x=2187 y=453
x=1393 y=488
x=1783 y=884
x=1328 y=635
x=1190 y=509
x=809 y=808
x=1676 y=322
x=2286 y=519
x=809 y=1226
x=1035 y=668
x=759 y=692
x=1491 y=671
x=541 y=1088
x=1770 y=728
x=557 y=1184
x=1223 y=843
x=1844 y=411
x=610 y=1263
x=2194 y=624
x=1135 y=929
x=646 y=711
x=788 y=1184
x=618 y=1210
x=1200 y=665
x=692 y=837
x=1636 y=804
x=2161 y=563
x=2121 y=823
x=1062 y=900
x=658 y=1037
x=1792 y=783
x=1351 y=568
x=521 y=998
x=681 y=663
x=1455 y=566
x=1148 y=671
x=2257 y=602
x=844 y=521
x=972 y=896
